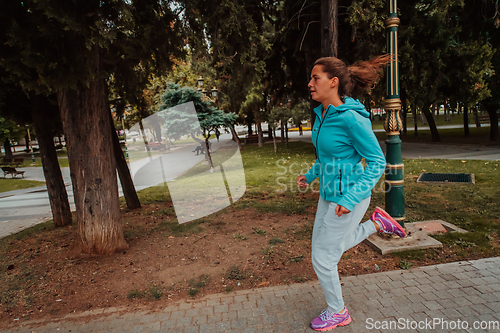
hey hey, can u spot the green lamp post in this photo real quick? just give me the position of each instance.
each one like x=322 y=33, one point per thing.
x=394 y=188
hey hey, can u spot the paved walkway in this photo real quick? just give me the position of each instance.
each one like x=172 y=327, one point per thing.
x=25 y=208
x=454 y=297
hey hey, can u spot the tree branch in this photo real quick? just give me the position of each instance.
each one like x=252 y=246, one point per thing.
x=305 y=33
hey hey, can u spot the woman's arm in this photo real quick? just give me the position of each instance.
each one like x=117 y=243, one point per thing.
x=366 y=144
x=313 y=172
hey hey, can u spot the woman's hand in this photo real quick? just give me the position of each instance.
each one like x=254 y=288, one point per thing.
x=339 y=210
x=302 y=181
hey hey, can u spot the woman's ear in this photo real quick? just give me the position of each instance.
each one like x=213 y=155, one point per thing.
x=334 y=82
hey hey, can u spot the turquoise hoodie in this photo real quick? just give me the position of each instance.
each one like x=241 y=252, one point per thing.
x=342 y=138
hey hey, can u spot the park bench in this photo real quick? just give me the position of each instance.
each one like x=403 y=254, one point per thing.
x=484 y=118
x=12 y=171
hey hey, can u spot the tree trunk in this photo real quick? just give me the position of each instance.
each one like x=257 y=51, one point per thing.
x=404 y=111
x=403 y=118
x=476 y=118
x=415 y=120
x=491 y=108
x=329 y=28
x=368 y=106
x=42 y=111
x=27 y=139
x=432 y=125
x=282 y=131
x=286 y=134
x=157 y=132
x=250 y=130
x=143 y=132
x=312 y=103
x=236 y=138
x=7 y=149
x=260 y=136
x=128 y=187
x=207 y=153
x=84 y=113
x=275 y=142
x=424 y=118
x=466 y=121
x=300 y=129
x=200 y=141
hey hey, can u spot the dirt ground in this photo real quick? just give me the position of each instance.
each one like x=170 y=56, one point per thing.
x=44 y=276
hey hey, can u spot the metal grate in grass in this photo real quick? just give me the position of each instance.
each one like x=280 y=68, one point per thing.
x=446 y=178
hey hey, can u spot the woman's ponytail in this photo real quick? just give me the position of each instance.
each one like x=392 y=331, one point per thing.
x=357 y=78
x=363 y=75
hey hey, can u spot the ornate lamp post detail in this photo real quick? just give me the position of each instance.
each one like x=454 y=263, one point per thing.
x=215 y=93
x=200 y=82
x=394 y=189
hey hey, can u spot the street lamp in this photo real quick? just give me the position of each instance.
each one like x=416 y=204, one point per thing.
x=200 y=82
x=394 y=188
x=214 y=92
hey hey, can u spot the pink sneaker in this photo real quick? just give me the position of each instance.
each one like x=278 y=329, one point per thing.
x=328 y=320
x=388 y=224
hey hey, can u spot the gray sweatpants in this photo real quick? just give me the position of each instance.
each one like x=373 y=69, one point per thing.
x=332 y=236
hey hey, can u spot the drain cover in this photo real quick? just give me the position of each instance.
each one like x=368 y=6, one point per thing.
x=446 y=178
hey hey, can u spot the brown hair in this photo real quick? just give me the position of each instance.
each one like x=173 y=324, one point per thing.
x=355 y=79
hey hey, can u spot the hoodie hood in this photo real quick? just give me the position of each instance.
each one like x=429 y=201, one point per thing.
x=349 y=104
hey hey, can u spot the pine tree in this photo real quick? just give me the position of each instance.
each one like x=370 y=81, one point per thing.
x=72 y=48
x=179 y=121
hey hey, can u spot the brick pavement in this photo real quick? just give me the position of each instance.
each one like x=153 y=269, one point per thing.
x=467 y=291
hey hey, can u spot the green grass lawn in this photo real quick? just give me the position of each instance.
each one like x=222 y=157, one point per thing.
x=270 y=180
x=11 y=184
x=62 y=155
x=478 y=136
x=270 y=187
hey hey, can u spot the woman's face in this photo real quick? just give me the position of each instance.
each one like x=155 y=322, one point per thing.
x=321 y=86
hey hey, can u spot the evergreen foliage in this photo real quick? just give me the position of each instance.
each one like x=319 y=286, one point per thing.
x=179 y=121
x=9 y=130
x=300 y=112
x=438 y=62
